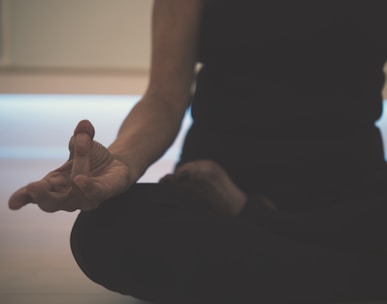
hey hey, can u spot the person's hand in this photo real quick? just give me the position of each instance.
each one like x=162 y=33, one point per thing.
x=209 y=181
x=90 y=176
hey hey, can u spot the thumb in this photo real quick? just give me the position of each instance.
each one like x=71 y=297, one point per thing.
x=80 y=147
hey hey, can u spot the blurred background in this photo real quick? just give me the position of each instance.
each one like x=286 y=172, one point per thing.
x=62 y=61
x=91 y=46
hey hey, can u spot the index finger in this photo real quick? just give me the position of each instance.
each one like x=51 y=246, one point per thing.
x=85 y=126
x=19 y=199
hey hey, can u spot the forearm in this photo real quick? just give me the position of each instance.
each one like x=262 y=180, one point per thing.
x=146 y=133
x=153 y=124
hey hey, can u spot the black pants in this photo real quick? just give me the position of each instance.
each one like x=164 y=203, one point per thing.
x=161 y=244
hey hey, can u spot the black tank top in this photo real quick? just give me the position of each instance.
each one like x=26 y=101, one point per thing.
x=289 y=86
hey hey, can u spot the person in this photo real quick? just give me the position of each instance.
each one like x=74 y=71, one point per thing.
x=279 y=195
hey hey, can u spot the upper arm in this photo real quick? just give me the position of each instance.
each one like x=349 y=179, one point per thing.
x=175 y=31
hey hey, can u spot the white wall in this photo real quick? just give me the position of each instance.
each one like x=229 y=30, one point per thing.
x=4 y=32
x=80 y=34
x=75 y=35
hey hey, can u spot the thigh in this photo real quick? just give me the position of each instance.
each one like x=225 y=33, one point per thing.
x=159 y=243
x=349 y=218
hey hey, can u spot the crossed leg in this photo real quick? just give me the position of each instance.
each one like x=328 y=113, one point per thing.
x=159 y=243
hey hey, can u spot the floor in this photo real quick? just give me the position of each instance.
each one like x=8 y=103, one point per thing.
x=35 y=260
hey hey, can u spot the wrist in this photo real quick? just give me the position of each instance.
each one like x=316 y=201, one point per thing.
x=134 y=171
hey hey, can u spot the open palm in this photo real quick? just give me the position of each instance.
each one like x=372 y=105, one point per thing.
x=90 y=176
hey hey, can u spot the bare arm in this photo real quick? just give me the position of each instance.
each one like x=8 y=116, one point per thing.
x=93 y=173
x=154 y=122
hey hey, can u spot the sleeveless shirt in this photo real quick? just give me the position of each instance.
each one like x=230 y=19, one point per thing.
x=289 y=90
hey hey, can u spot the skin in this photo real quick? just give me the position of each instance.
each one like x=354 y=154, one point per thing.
x=91 y=175
x=209 y=181
x=95 y=173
